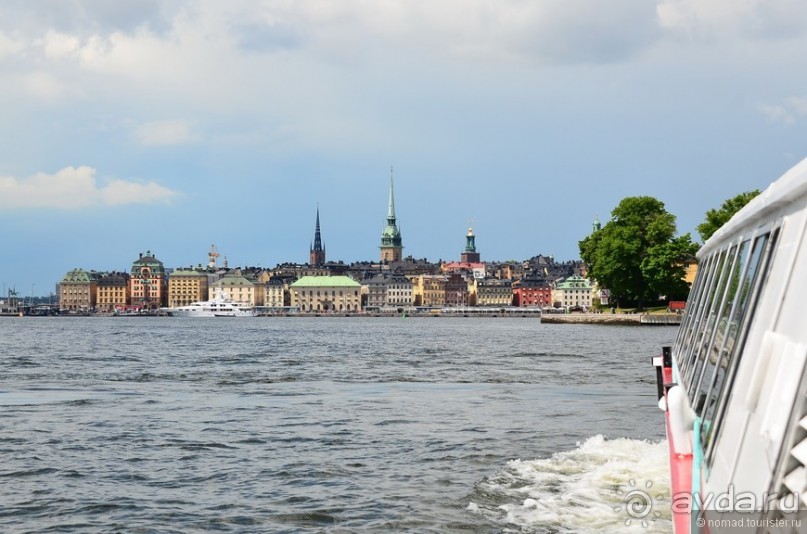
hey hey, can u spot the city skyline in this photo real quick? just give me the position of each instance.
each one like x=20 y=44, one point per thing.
x=170 y=126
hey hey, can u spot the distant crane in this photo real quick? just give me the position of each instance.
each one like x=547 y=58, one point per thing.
x=213 y=256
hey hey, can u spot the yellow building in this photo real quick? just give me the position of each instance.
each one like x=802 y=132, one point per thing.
x=326 y=294
x=112 y=292
x=429 y=290
x=238 y=288
x=274 y=293
x=187 y=286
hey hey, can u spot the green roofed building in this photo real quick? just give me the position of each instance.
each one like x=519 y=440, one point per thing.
x=574 y=292
x=326 y=294
x=78 y=290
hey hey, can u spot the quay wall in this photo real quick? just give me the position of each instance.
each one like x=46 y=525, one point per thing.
x=612 y=318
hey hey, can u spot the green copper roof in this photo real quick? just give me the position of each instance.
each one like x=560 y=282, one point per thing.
x=79 y=275
x=232 y=280
x=325 y=281
x=575 y=282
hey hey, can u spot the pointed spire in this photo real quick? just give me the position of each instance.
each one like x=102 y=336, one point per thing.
x=317 y=251
x=391 y=245
x=391 y=209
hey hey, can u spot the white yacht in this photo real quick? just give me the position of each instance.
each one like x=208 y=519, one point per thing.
x=219 y=306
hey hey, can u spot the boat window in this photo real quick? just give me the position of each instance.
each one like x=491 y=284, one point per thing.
x=726 y=328
x=701 y=315
x=681 y=341
x=713 y=337
x=752 y=282
x=686 y=332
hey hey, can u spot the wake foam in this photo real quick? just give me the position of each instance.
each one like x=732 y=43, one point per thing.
x=592 y=488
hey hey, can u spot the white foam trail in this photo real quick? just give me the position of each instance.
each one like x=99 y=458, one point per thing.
x=598 y=487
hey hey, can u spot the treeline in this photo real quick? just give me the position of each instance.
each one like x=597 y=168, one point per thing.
x=637 y=254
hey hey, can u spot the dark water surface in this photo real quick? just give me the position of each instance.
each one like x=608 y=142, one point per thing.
x=324 y=424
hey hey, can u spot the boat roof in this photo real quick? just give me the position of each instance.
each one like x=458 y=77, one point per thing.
x=789 y=187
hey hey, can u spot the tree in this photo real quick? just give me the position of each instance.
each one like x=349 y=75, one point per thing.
x=636 y=254
x=717 y=218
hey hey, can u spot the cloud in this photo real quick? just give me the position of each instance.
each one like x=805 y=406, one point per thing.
x=74 y=188
x=765 y=19
x=787 y=112
x=88 y=16
x=172 y=132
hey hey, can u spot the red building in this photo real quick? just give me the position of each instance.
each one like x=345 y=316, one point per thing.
x=529 y=292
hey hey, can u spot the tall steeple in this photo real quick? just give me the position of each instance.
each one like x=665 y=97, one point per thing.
x=317 y=252
x=470 y=255
x=391 y=242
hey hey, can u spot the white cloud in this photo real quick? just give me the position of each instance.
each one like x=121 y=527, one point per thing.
x=57 y=45
x=771 y=19
x=776 y=113
x=171 y=132
x=787 y=112
x=75 y=188
x=797 y=104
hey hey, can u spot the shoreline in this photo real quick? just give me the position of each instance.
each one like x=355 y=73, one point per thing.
x=654 y=319
x=631 y=319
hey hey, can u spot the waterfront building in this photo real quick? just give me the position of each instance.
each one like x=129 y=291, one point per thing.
x=532 y=292
x=326 y=294
x=186 y=286
x=385 y=290
x=239 y=288
x=147 y=283
x=112 y=292
x=429 y=290
x=494 y=292
x=574 y=292
x=275 y=293
x=391 y=241
x=456 y=291
x=317 y=251
x=78 y=291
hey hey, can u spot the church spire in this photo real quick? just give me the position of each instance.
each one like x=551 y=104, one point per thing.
x=391 y=207
x=317 y=256
x=391 y=243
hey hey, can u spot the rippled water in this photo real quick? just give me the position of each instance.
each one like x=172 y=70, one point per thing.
x=326 y=424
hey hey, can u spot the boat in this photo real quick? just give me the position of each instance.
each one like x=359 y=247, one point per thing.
x=733 y=386
x=219 y=306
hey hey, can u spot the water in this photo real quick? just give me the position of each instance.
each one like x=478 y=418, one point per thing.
x=328 y=424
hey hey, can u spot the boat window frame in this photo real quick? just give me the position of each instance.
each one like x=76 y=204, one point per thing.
x=681 y=341
x=745 y=246
x=771 y=232
x=705 y=306
x=702 y=280
x=733 y=251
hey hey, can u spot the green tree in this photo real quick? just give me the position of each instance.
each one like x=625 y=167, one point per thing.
x=636 y=254
x=717 y=218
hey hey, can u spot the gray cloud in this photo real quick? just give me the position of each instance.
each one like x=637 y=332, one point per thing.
x=581 y=31
x=85 y=17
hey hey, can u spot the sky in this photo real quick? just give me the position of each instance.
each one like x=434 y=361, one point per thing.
x=169 y=126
